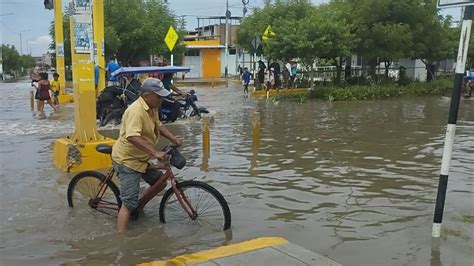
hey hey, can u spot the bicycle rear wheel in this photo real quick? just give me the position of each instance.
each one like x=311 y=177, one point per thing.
x=210 y=206
x=88 y=191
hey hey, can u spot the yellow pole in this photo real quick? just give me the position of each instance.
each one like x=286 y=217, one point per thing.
x=59 y=39
x=206 y=142
x=77 y=152
x=73 y=54
x=255 y=139
x=256 y=130
x=32 y=100
x=98 y=22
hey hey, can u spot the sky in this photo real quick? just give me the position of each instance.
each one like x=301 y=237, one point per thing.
x=29 y=19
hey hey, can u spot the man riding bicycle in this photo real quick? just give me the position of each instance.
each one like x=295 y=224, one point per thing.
x=139 y=133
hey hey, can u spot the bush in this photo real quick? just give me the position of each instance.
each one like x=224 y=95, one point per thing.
x=380 y=91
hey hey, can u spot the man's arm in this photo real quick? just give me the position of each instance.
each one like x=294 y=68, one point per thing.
x=167 y=134
x=177 y=90
x=142 y=144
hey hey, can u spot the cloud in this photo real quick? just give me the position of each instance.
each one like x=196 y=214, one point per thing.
x=40 y=45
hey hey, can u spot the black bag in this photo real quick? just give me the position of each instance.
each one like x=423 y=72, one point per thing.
x=177 y=160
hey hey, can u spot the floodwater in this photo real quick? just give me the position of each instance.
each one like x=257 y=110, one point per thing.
x=354 y=181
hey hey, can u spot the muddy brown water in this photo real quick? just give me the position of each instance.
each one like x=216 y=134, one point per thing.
x=354 y=181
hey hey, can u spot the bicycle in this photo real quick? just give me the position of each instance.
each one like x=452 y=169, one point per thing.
x=190 y=201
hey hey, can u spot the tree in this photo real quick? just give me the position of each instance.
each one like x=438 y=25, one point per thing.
x=285 y=19
x=301 y=31
x=133 y=30
x=433 y=39
x=13 y=63
x=11 y=59
x=470 y=51
x=136 y=29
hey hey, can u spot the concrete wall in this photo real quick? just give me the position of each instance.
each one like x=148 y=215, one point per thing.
x=415 y=69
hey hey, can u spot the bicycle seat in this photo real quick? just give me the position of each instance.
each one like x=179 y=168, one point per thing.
x=104 y=148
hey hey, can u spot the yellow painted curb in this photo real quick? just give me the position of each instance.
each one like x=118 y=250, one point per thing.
x=220 y=252
x=65 y=98
x=263 y=93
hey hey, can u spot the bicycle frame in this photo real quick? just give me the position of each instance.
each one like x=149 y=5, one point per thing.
x=150 y=193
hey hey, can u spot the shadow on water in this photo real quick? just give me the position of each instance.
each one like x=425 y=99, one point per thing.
x=355 y=181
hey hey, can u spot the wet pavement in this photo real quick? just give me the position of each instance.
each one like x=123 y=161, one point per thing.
x=354 y=181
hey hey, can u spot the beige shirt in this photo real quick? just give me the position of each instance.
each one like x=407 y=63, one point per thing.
x=138 y=120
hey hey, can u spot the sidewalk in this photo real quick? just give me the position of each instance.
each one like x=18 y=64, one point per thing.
x=187 y=82
x=275 y=251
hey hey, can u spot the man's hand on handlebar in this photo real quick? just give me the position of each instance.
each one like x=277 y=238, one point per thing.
x=160 y=155
x=177 y=141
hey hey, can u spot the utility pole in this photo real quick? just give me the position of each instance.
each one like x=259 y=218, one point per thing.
x=21 y=41
x=244 y=11
x=227 y=17
x=452 y=119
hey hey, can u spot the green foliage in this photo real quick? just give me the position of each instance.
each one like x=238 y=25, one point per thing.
x=10 y=58
x=468 y=219
x=470 y=53
x=371 y=92
x=13 y=62
x=377 y=30
x=133 y=30
x=136 y=29
x=301 y=31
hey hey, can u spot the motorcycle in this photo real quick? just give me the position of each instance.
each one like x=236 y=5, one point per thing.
x=113 y=101
x=182 y=108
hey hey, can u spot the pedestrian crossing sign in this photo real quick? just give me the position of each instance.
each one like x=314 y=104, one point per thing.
x=171 y=38
x=268 y=33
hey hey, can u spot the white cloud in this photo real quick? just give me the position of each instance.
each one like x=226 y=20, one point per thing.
x=40 y=45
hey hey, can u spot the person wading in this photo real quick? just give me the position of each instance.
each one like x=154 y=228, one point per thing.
x=139 y=133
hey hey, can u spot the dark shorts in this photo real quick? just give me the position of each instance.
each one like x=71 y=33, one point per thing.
x=130 y=183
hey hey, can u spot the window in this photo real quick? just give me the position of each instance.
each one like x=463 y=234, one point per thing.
x=232 y=51
x=192 y=52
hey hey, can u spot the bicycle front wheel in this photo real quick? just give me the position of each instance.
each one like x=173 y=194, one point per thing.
x=87 y=190
x=210 y=206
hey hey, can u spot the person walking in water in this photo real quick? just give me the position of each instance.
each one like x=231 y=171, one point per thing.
x=55 y=87
x=44 y=88
x=246 y=76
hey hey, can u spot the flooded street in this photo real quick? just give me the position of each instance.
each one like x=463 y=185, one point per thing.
x=354 y=181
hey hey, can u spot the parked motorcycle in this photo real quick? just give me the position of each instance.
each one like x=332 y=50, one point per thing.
x=113 y=101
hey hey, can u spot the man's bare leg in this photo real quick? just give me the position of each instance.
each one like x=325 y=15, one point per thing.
x=122 y=219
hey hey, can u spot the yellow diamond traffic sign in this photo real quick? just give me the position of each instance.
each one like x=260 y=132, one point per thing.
x=171 y=38
x=268 y=33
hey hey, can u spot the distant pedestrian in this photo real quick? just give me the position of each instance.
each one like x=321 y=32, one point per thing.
x=111 y=67
x=261 y=73
x=55 y=88
x=246 y=76
x=276 y=72
x=271 y=79
x=97 y=69
x=34 y=92
x=293 y=74
x=44 y=88
x=286 y=77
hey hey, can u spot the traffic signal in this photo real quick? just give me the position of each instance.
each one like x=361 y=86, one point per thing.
x=49 y=4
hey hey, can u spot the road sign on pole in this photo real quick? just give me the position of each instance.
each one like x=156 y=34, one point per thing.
x=268 y=33
x=171 y=38
x=454 y=3
x=256 y=42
